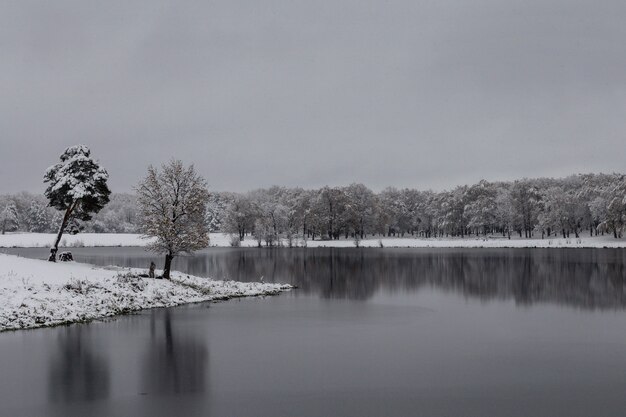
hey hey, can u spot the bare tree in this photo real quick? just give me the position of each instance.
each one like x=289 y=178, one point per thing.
x=172 y=204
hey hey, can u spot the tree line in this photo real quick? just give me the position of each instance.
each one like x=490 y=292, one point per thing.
x=595 y=203
x=26 y=212
x=589 y=204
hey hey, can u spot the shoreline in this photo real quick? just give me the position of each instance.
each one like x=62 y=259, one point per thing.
x=36 y=293
x=222 y=240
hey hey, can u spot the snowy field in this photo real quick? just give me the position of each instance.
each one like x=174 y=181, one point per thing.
x=33 y=240
x=45 y=240
x=36 y=293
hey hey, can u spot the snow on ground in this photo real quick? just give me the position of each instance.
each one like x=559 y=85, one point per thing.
x=595 y=242
x=45 y=240
x=33 y=240
x=36 y=293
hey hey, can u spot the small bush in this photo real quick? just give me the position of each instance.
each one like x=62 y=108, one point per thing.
x=80 y=286
x=66 y=257
x=235 y=242
x=135 y=282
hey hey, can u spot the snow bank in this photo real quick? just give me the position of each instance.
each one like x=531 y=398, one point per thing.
x=34 y=240
x=36 y=293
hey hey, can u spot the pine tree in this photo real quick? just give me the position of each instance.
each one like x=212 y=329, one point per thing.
x=172 y=204
x=77 y=186
x=38 y=218
x=8 y=218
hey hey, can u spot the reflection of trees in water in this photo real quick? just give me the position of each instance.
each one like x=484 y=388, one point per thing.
x=579 y=277
x=587 y=278
x=77 y=373
x=174 y=363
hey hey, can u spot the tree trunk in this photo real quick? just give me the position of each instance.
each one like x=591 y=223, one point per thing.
x=55 y=248
x=168 y=266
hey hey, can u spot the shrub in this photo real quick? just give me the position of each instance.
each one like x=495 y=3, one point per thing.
x=66 y=257
x=135 y=282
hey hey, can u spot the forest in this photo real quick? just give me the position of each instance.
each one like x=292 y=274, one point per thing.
x=591 y=204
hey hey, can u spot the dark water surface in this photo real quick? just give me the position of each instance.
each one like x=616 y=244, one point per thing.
x=369 y=332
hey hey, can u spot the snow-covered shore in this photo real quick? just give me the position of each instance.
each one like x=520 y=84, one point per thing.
x=34 y=240
x=36 y=293
x=45 y=240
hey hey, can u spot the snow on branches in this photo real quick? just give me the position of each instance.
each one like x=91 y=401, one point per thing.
x=78 y=186
x=8 y=218
x=77 y=181
x=172 y=205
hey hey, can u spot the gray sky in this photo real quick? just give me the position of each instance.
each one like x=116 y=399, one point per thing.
x=425 y=94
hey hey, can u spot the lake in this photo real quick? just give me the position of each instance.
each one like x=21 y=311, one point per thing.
x=368 y=332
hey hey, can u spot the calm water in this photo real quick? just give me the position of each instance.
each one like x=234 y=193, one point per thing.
x=369 y=332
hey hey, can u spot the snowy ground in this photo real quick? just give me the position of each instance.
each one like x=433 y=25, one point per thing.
x=219 y=239
x=45 y=240
x=27 y=240
x=36 y=293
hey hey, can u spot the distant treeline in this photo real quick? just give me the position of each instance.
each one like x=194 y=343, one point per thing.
x=541 y=207
x=27 y=212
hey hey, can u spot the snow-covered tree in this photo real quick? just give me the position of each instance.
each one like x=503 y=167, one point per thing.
x=119 y=216
x=77 y=186
x=615 y=216
x=505 y=217
x=74 y=227
x=240 y=216
x=330 y=214
x=526 y=201
x=38 y=218
x=271 y=214
x=480 y=207
x=9 y=218
x=394 y=214
x=264 y=231
x=451 y=215
x=611 y=204
x=361 y=209
x=216 y=210
x=297 y=203
x=172 y=205
x=562 y=211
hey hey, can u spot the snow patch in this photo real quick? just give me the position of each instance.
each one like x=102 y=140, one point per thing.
x=37 y=293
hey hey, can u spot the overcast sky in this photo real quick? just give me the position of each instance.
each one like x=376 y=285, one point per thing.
x=425 y=94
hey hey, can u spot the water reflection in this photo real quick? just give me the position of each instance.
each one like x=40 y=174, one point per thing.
x=77 y=372
x=173 y=363
x=583 y=278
